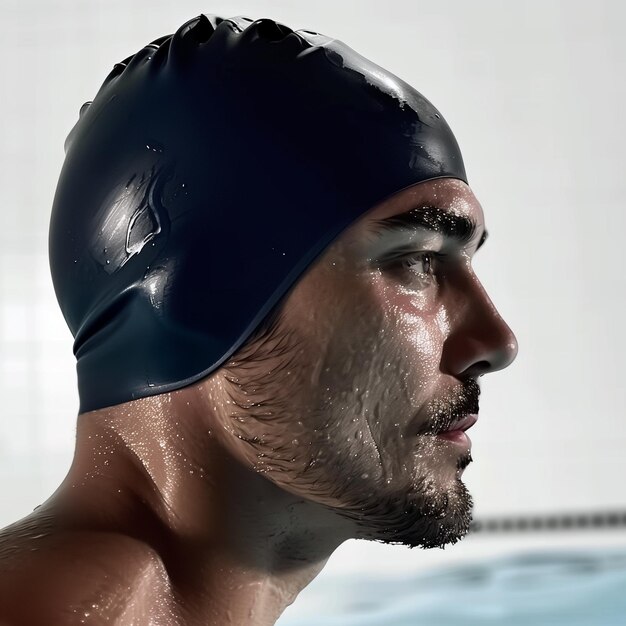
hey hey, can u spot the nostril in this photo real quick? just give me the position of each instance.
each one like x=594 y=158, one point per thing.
x=479 y=369
x=475 y=353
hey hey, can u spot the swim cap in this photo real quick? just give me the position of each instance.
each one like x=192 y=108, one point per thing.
x=208 y=173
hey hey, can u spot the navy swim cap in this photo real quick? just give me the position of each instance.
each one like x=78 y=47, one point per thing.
x=208 y=173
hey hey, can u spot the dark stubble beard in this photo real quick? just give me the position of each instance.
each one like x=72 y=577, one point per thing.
x=420 y=515
x=425 y=516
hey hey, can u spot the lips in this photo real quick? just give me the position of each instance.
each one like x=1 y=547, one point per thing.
x=463 y=424
x=456 y=411
x=456 y=432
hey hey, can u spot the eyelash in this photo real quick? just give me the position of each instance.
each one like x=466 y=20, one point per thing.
x=406 y=263
x=421 y=256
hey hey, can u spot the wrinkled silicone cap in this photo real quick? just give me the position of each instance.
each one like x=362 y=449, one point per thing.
x=208 y=173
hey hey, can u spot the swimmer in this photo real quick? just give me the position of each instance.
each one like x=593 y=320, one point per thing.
x=262 y=243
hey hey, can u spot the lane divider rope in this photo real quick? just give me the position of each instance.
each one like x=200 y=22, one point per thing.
x=556 y=522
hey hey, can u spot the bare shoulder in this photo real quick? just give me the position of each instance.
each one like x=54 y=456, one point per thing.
x=80 y=577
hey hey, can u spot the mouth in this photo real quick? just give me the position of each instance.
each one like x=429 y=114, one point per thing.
x=455 y=433
x=451 y=415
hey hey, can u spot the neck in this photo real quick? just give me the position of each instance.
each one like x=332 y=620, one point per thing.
x=235 y=546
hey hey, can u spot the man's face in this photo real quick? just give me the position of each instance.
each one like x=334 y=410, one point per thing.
x=378 y=348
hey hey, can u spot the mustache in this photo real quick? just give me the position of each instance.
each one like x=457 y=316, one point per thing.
x=445 y=411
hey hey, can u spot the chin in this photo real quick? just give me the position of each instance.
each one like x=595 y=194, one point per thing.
x=425 y=519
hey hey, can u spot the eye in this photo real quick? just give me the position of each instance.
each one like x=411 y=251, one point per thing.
x=416 y=270
x=419 y=264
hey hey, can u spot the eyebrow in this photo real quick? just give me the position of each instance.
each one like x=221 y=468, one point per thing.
x=458 y=227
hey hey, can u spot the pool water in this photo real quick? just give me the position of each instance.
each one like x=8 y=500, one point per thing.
x=574 y=588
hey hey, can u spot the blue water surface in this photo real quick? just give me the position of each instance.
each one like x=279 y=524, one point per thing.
x=573 y=588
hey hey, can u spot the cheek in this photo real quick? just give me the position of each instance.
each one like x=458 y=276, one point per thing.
x=382 y=358
x=358 y=365
x=417 y=320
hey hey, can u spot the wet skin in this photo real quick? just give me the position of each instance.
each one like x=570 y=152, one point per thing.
x=223 y=500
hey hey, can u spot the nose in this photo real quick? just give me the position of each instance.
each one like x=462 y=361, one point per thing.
x=481 y=341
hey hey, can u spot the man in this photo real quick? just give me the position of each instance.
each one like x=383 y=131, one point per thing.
x=262 y=244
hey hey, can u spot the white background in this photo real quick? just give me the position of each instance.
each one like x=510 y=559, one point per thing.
x=535 y=94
